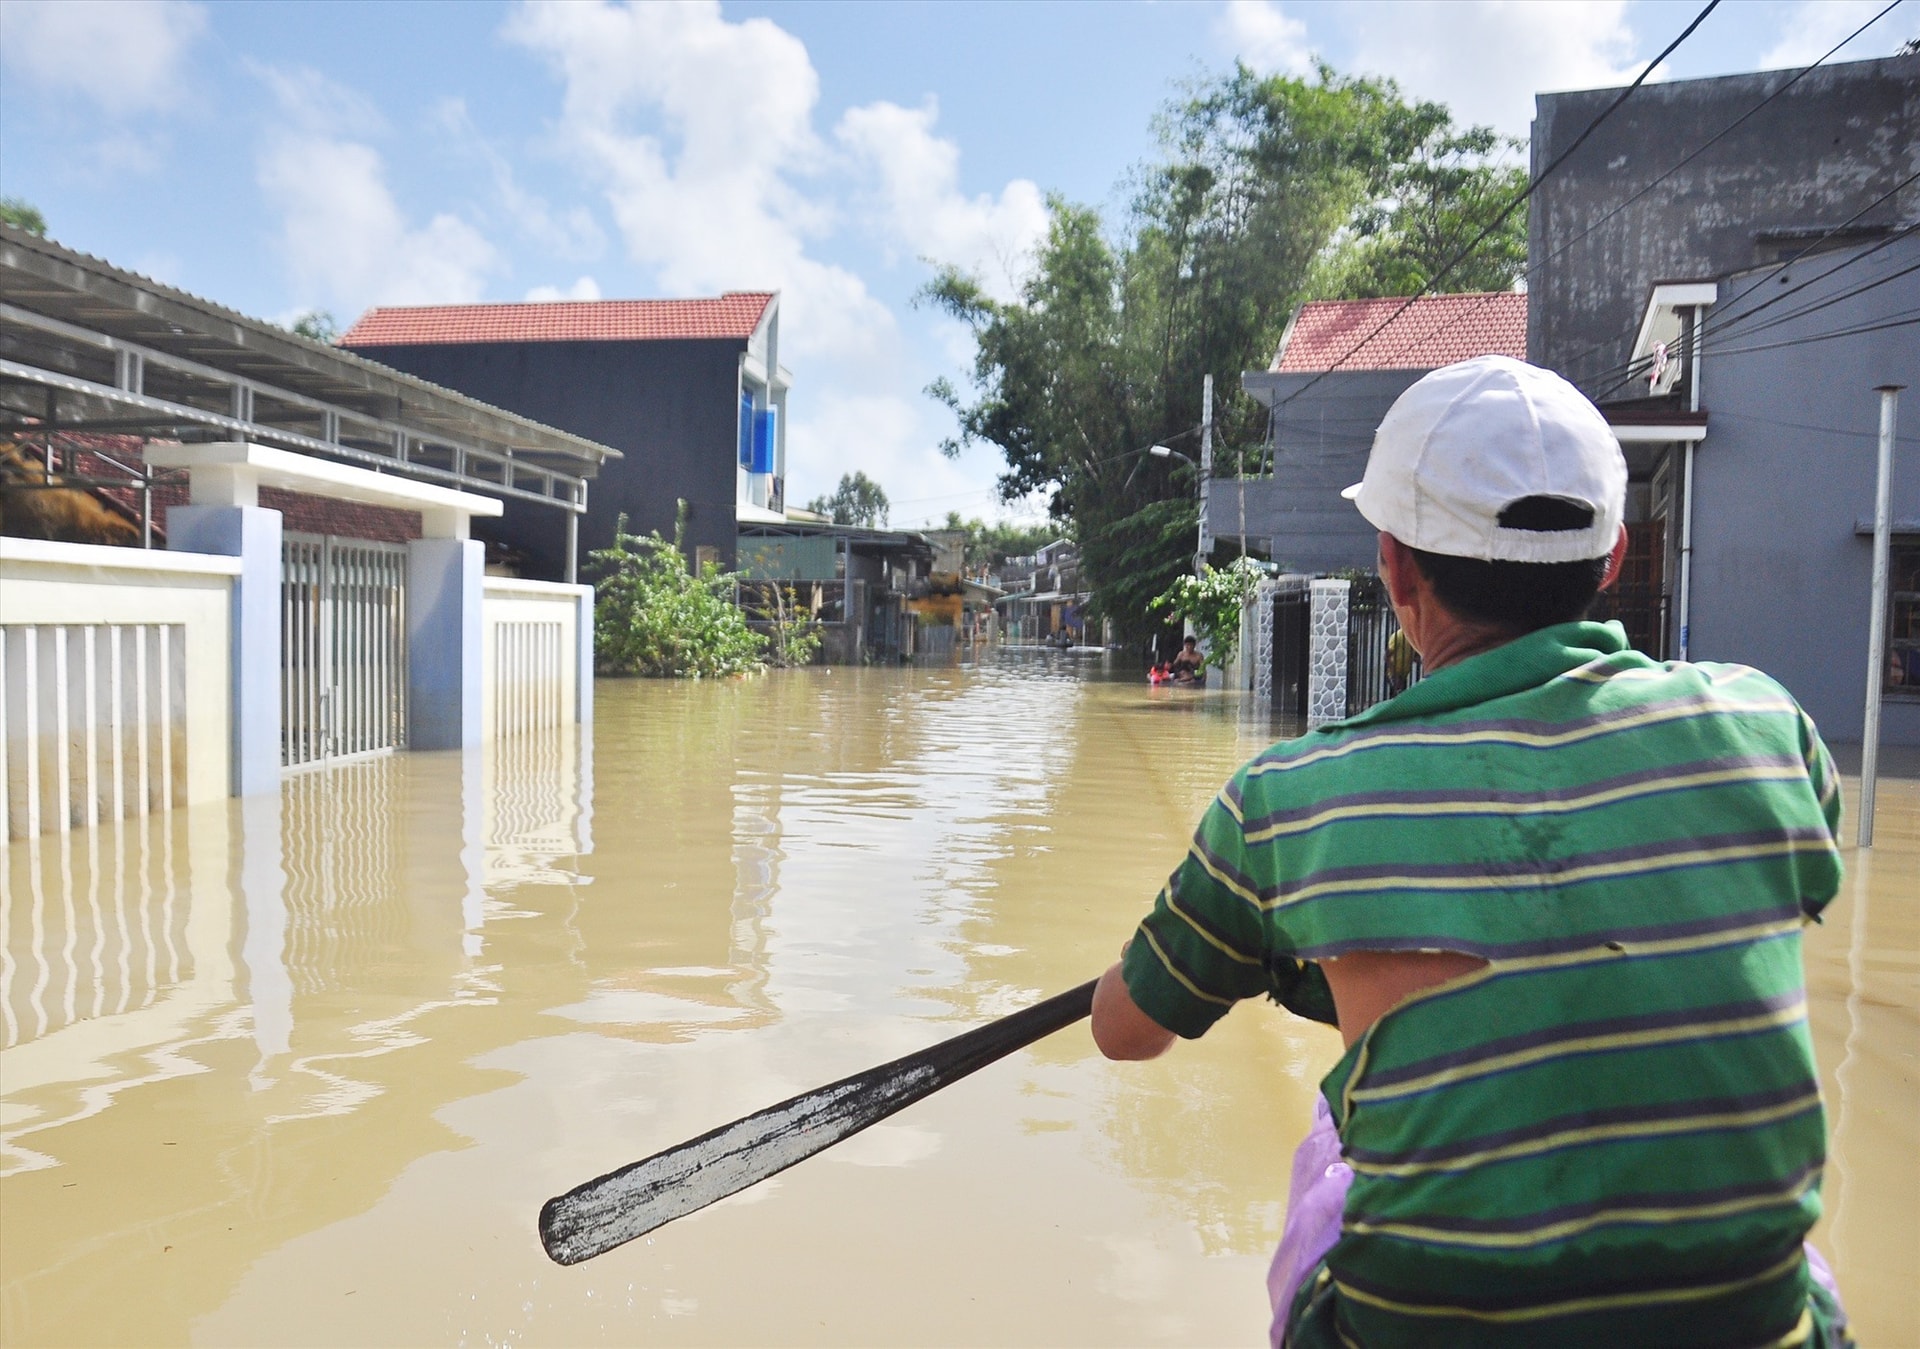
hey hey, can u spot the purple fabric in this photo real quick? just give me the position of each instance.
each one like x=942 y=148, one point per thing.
x=1315 y=1202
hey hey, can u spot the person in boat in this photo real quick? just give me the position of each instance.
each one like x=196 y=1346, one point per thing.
x=1552 y=897
x=1187 y=665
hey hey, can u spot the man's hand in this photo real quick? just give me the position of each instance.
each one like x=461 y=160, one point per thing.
x=1120 y=1028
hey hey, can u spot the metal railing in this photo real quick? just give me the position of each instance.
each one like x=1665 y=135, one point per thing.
x=1380 y=661
x=343 y=644
x=93 y=724
x=530 y=670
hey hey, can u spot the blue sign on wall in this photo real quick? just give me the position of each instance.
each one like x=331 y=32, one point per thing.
x=765 y=437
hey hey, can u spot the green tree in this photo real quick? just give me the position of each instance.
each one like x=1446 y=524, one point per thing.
x=1261 y=185
x=1212 y=601
x=988 y=545
x=858 y=500
x=318 y=325
x=1438 y=202
x=23 y=215
x=653 y=616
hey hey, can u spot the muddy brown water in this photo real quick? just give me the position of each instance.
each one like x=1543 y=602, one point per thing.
x=301 y=1071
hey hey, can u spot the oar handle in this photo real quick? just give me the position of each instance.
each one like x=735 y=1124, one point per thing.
x=621 y=1205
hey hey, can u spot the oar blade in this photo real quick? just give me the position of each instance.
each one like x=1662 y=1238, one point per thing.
x=614 y=1209
x=621 y=1205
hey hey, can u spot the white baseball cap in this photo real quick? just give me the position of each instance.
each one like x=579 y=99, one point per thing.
x=1469 y=440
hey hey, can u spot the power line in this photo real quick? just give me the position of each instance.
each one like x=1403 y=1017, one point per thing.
x=1519 y=200
x=1535 y=267
x=1626 y=371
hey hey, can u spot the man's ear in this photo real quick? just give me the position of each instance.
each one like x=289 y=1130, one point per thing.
x=1615 y=558
x=1397 y=569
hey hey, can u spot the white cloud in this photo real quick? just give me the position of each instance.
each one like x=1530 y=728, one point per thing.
x=1813 y=26
x=701 y=134
x=126 y=55
x=920 y=203
x=586 y=288
x=572 y=233
x=1264 y=37
x=344 y=235
x=314 y=103
x=1485 y=59
x=715 y=203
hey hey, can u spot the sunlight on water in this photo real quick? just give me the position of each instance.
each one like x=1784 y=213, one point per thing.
x=302 y=1070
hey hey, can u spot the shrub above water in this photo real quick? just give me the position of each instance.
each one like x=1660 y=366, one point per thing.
x=653 y=615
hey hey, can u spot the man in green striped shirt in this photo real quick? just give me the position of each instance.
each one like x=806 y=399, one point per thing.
x=1552 y=897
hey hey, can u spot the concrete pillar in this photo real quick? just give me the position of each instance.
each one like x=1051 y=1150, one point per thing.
x=252 y=534
x=583 y=672
x=444 y=580
x=1327 y=651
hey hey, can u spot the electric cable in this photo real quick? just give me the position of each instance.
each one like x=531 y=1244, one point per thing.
x=1533 y=267
x=1519 y=200
x=1625 y=372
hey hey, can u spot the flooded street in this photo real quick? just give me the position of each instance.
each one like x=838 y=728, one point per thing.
x=302 y=1071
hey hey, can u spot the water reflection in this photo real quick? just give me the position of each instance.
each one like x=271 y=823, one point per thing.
x=305 y=1067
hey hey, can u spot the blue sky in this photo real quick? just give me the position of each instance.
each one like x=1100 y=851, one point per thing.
x=282 y=157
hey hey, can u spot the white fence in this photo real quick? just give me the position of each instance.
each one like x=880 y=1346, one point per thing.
x=530 y=632
x=117 y=682
x=343 y=647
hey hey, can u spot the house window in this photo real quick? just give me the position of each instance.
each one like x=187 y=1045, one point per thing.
x=1903 y=621
x=746 y=428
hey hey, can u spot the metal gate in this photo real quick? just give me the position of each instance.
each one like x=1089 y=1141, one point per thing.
x=1290 y=638
x=343 y=645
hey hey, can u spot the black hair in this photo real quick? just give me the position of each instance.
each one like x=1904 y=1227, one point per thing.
x=1520 y=597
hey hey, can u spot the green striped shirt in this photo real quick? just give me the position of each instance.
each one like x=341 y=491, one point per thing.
x=1612 y=1133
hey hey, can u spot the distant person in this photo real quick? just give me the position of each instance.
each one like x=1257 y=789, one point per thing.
x=1188 y=664
x=1552 y=897
x=1400 y=657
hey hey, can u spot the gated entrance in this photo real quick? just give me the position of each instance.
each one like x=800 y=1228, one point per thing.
x=343 y=643
x=1290 y=641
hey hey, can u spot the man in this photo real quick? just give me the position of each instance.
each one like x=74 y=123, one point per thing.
x=1552 y=896
x=1188 y=664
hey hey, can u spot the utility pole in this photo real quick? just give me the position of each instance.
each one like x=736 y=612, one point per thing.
x=1206 y=475
x=1877 y=619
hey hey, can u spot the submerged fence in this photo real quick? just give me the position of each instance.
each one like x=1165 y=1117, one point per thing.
x=115 y=683
x=532 y=643
x=1320 y=649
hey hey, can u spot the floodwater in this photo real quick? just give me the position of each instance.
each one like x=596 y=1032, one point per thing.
x=302 y=1071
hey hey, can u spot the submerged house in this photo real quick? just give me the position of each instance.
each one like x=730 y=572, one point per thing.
x=691 y=392
x=319 y=594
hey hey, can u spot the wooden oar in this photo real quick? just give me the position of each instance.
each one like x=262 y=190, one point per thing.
x=631 y=1202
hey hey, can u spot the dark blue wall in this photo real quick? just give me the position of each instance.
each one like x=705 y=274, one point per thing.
x=670 y=407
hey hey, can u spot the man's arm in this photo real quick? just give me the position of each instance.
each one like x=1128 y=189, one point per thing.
x=1120 y=1028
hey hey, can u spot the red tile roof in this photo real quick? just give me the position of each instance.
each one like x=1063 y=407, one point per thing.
x=1435 y=330
x=735 y=314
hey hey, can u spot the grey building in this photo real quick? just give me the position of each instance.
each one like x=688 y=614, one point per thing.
x=1732 y=309
x=1783 y=469
x=1340 y=365
x=1830 y=160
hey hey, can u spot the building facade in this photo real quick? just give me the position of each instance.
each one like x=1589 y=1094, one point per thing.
x=690 y=391
x=1727 y=267
x=1340 y=365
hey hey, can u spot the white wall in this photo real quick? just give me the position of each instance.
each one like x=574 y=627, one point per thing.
x=115 y=670
x=530 y=645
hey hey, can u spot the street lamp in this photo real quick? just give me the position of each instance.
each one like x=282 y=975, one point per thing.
x=1200 y=556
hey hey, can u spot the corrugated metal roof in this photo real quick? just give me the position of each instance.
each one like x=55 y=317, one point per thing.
x=1434 y=330
x=733 y=315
